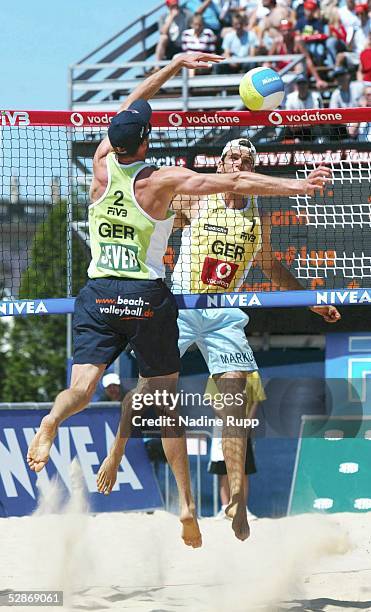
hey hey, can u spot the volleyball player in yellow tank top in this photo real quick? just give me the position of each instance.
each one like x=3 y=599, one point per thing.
x=222 y=235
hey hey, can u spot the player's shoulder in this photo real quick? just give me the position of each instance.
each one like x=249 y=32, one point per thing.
x=146 y=172
x=162 y=171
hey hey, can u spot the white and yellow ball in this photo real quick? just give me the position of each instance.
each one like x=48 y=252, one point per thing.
x=262 y=89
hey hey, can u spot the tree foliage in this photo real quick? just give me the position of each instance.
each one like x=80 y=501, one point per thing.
x=35 y=368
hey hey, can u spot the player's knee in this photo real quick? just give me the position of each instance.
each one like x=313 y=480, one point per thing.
x=84 y=390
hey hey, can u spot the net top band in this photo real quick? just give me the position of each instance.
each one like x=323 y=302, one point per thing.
x=181 y=120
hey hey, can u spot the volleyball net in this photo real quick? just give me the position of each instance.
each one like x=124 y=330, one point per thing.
x=324 y=240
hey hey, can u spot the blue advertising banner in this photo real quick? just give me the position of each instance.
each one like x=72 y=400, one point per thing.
x=259 y=299
x=87 y=436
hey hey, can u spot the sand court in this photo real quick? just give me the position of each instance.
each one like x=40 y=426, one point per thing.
x=137 y=561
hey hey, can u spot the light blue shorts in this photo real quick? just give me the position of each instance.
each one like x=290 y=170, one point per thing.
x=220 y=336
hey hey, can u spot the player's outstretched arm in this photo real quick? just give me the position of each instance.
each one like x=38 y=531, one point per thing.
x=152 y=84
x=275 y=271
x=146 y=90
x=183 y=181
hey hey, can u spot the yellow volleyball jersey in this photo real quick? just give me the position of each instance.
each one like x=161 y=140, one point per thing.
x=218 y=248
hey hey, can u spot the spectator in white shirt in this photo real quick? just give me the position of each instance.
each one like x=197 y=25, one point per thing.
x=359 y=40
x=349 y=19
x=361 y=34
x=198 y=38
x=362 y=131
x=238 y=43
x=302 y=97
x=347 y=93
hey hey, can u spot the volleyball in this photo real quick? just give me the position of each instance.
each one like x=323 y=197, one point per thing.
x=262 y=89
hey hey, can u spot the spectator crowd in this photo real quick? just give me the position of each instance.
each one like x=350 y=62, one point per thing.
x=334 y=37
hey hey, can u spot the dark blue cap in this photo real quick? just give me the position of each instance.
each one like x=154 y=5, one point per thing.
x=131 y=126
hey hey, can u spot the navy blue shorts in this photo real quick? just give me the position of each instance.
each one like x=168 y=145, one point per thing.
x=111 y=313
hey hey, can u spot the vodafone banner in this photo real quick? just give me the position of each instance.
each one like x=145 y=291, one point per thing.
x=102 y=119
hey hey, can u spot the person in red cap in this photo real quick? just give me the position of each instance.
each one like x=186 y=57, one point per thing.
x=290 y=44
x=171 y=28
x=310 y=22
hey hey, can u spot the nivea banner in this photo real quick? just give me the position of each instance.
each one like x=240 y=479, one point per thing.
x=87 y=436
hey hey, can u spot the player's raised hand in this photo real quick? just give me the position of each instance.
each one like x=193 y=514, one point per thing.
x=316 y=180
x=329 y=313
x=198 y=60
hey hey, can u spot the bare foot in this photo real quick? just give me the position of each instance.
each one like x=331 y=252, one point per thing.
x=236 y=511
x=38 y=451
x=107 y=474
x=190 y=532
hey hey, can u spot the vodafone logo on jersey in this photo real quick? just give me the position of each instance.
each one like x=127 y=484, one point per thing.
x=218 y=273
x=223 y=270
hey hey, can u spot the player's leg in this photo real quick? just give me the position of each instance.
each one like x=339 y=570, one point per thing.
x=230 y=359
x=224 y=490
x=95 y=345
x=155 y=345
x=84 y=380
x=234 y=439
x=156 y=359
x=175 y=448
x=107 y=473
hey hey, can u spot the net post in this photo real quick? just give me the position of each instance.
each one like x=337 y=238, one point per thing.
x=69 y=219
